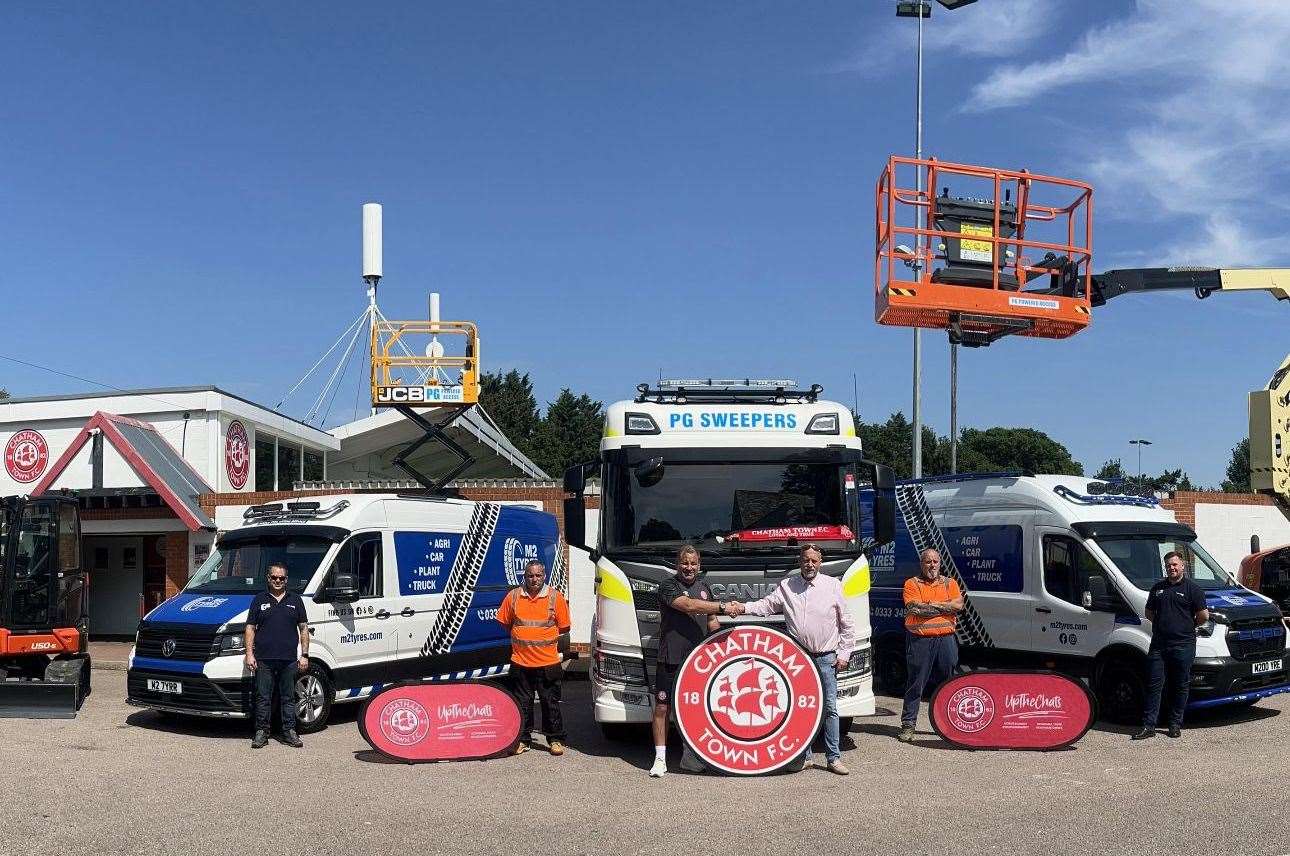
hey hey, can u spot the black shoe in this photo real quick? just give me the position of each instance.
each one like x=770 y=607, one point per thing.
x=290 y=739
x=260 y=740
x=1144 y=734
x=1175 y=731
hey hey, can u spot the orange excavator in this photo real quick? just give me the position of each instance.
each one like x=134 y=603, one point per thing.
x=44 y=629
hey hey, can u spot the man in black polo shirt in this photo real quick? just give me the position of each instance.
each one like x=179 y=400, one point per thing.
x=1175 y=608
x=687 y=613
x=275 y=623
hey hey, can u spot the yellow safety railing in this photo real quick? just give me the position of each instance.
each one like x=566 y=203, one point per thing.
x=403 y=377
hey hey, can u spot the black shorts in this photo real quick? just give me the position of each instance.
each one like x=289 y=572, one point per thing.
x=665 y=682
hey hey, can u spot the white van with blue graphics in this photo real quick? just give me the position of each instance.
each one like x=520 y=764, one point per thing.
x=1056 y=571
x=396 y=588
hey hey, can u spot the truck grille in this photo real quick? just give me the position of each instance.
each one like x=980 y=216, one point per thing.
x=1256 y=638
x=200 y=694
x=190 y=644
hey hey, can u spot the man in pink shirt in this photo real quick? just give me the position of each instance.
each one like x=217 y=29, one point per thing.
x=816 y=615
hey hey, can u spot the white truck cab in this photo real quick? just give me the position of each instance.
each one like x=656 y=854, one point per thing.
x=396 y=588
x=1056 y=571
x=745 y=472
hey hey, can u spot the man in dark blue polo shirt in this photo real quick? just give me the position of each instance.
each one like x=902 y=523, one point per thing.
x=1175 y=608
x=275 y=624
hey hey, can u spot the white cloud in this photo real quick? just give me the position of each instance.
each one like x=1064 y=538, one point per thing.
x=992 y=28
x=1200 y=91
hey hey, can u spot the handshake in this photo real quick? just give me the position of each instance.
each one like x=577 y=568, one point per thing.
x=732 y=609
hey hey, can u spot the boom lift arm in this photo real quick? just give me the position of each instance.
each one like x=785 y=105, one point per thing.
x=1269 y=407
x=1201 y=280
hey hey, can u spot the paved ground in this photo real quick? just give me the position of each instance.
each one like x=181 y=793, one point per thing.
x=120 y=780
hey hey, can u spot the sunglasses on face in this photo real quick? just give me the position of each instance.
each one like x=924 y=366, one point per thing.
x=277 y=579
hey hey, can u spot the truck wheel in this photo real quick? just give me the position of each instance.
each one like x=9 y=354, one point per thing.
x=314 y=694
x=623 y=732
x=1121 y=692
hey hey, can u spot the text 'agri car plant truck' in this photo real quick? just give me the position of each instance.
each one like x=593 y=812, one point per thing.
x=395 y=588
x=1056 y=571
x=746 y=471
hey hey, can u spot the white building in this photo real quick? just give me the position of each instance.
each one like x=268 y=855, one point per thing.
x=152 y=466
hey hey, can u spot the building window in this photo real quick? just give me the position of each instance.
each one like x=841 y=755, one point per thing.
x=288 y=465
x=263 y=462
x=313 y=465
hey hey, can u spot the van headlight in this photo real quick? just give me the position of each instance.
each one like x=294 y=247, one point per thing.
x=230 y=643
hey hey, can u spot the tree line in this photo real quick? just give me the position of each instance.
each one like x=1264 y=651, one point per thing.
x=568 y=432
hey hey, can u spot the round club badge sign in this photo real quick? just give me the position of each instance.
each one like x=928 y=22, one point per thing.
x=748 y=700
x=26 y=456
x=237 y=455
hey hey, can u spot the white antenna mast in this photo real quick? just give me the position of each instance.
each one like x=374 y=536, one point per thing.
x=372 y=265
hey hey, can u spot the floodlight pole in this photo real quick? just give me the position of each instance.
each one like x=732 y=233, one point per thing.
x=1139 y=444
x=918 y=254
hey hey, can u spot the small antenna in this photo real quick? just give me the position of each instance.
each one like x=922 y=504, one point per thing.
x=855 y=395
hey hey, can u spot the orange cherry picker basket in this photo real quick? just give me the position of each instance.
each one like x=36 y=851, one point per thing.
x=986 y=253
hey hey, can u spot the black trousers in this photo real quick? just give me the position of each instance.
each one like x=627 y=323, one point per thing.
x=1171 y=663
x=545 y=681
x=277 y=675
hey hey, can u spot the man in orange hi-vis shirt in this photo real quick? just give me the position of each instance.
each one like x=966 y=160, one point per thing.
x=932 y=604
x=536 y=615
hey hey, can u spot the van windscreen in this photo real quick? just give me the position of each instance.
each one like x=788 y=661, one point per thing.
x=240 y=567
x=1141 y=558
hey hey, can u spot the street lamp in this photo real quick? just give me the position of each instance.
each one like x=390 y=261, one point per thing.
x=1139 y=444
x=921 y=9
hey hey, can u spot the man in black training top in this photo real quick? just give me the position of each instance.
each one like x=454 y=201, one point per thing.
x=687 y=613
x=1175 y=608
x=275 y=623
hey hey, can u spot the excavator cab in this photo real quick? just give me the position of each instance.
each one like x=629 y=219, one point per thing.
x=44 y=632
x=981 y=252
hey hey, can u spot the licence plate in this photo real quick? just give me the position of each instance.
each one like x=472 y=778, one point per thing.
x=174 y=687
x=1267 y=666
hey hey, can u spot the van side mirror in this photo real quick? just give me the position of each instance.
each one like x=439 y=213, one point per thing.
x=343 y=589
x=884 y=504
x=1086 y=600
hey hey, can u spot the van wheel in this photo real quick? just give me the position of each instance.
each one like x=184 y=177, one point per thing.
x=889 y=670
x=1121 y=692
x=314 y=695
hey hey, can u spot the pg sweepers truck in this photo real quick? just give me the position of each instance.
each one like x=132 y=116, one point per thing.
x=743 y=470
x=1056 y=571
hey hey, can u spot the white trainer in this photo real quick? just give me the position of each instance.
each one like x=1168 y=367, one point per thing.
x=659 y=768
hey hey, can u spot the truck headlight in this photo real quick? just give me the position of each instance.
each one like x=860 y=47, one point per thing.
x=626 y=670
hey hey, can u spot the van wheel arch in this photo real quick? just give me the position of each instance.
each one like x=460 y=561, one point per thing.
x=319 y=678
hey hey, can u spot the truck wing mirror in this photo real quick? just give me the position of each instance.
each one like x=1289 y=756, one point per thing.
x=649 y=472
x=575 y=507
x=884 y=504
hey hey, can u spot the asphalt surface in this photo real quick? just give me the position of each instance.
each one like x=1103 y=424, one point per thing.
x=121 y=780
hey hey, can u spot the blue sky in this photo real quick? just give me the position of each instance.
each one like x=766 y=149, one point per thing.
x=611 y=189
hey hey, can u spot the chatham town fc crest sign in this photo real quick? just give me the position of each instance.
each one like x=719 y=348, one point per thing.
x=25 y=456
x=748 y=700
x=237 y=455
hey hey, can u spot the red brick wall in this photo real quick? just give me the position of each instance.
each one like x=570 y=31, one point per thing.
x=176 y=550
x=1183 y=503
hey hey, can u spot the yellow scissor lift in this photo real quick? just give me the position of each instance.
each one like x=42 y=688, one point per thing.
x=412 y=372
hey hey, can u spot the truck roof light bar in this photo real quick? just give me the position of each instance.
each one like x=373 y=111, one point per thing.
x=734 y=395
x=726 y=383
